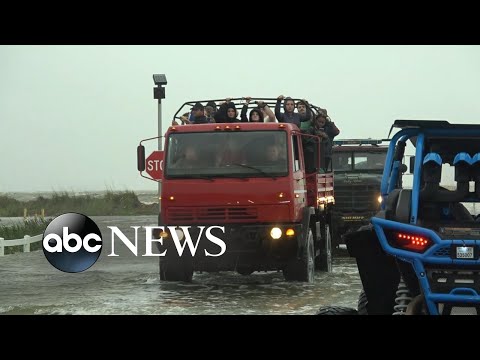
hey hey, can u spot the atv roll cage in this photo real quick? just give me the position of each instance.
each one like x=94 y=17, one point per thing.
x=429 y=234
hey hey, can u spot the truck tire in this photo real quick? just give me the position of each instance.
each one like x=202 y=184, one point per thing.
x=336 y=236
x=324 y=261
x=176 y=270
x=302 y=269
x=336 y=310
x=243 y=270
x=362 y=303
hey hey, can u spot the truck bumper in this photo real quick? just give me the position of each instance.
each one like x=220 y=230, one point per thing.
x=247 y=246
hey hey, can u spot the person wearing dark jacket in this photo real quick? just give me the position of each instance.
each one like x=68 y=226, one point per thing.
x=289 y=116
x=255 y=115
x=227 y=113
x=327 y=131
x=198 y=114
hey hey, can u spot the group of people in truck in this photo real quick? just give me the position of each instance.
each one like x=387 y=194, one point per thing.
x=318 y=124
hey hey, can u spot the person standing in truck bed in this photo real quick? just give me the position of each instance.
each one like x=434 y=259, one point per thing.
x=289 y=115
x=227 y=113
x=327 y=131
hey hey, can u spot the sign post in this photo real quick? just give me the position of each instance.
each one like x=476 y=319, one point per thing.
x=160 y=81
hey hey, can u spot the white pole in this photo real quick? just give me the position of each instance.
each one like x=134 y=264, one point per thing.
x=159 y=148
x=2 y=246
x=26 y=246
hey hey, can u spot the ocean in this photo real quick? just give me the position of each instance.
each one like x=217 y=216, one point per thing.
x=145 y=196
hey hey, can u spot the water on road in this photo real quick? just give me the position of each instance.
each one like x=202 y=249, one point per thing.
x=129 y=284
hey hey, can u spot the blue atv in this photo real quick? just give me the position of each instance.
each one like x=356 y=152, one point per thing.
x=420 y=252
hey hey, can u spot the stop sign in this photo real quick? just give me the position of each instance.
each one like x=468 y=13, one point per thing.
x=154 y=165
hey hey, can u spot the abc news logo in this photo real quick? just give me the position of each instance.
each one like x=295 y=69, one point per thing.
x=79 y=236
x=73 y=242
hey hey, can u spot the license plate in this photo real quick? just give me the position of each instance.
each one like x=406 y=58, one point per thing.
x=465 y=252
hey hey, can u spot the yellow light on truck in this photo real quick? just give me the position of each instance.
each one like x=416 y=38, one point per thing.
x=290 y=232
x=276 y=233
x=379 y=199
x=163 y=234
x=281 y=195
x=171 y=198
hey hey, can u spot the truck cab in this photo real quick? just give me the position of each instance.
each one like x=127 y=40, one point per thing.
x=358 y=165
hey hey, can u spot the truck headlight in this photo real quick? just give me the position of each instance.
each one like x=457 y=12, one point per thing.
x=276 y=233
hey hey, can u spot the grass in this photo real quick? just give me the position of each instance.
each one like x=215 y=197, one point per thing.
x=32 y=227
x=111 y=203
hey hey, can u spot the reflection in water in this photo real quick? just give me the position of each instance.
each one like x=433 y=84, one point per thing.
x=130 y=285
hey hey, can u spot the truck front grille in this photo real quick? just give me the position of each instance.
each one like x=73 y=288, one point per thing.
x=210 y=215
x=351 y=198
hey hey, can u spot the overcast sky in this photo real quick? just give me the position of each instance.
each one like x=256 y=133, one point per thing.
x=72 y=116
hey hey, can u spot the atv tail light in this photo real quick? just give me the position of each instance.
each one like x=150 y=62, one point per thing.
x=409 y=241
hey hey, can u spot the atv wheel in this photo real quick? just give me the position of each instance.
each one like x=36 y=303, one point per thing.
x=362 y=303
x=336 y=310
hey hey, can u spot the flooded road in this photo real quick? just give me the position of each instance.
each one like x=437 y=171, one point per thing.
x=130 y=285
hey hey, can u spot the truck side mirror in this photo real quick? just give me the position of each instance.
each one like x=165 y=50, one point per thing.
x=141 y=158
x=412 y=164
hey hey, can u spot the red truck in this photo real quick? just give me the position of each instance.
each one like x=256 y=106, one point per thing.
x=253 y=181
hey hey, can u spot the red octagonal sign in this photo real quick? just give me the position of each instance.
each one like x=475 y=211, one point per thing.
x=154 y=165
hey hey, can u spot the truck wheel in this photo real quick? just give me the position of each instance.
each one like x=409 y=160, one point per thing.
x=324 y=261
x=244 y=270
x=176 y=270
x=336 y=310
x=302 y=269
x=362 y=303
x=336 y=236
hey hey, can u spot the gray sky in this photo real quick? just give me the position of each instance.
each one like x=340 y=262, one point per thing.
x=72 y=116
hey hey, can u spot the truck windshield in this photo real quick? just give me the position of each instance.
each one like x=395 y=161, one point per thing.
x=350 y=161
x=227 y=154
